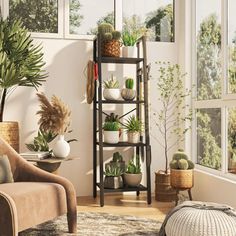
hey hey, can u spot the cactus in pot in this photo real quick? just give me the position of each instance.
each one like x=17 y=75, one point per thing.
x=181 y=175
x=111 y=89
x=128 y=93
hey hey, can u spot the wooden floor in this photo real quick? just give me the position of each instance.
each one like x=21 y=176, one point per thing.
x=126 y=205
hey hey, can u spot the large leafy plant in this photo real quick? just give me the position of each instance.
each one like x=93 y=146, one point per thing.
x=174 y=112
x=21 y=61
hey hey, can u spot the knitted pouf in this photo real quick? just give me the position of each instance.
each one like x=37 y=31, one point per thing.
x=200 y=222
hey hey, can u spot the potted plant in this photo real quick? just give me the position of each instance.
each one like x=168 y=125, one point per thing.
x=133 y=128
x=111 y=131
x=110 y=40
x=181 y=171
x=128 y=93
x=133 y=174
x=113 y=177
x=171 y=120
x=111 y=89
x=55 y=117
x=21 y=64
x=117 y=160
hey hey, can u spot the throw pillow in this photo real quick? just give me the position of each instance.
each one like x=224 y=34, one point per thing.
x=5 y=170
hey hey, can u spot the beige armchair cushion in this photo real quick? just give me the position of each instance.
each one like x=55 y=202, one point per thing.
x=5 y=170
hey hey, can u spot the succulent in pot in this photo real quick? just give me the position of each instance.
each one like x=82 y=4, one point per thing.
x=133 y=174
x=111 y=132
x=111 y=89
x=128 y=93
x=134 y=127
x=113 y=177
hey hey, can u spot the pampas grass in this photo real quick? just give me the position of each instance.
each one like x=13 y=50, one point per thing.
x=55 y=116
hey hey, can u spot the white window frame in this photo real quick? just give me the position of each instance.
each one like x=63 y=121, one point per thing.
x=227 y=100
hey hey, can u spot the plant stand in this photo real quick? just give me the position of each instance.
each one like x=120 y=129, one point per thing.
x=143 y=148
x=177 y=192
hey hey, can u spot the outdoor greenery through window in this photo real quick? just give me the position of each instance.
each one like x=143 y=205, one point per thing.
x=37 y=16
x=215 y=83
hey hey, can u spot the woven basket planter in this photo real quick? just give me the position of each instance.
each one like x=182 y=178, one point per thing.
x=181 y=179
x=163 y=190
x=111 y=48
x=9 y=131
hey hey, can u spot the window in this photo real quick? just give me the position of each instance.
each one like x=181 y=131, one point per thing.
x=214 y=69
x=155 y=15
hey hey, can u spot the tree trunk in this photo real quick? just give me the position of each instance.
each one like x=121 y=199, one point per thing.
x=2 y=105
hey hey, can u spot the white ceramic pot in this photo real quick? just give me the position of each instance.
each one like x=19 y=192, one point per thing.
x=61 y=148
x=111 y=94
x=111 y=136
x=129 y=51
x=133 y=137
x=132 y=180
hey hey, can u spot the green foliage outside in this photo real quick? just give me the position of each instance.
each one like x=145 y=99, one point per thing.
x=75 y=17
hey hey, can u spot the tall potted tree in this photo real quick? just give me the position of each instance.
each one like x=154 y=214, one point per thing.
x=171 y=121
x=21 y=64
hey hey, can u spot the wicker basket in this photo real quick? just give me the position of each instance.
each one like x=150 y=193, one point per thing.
x=181 y=179
x=164 y=192
x=9 y=131
x=111 y=48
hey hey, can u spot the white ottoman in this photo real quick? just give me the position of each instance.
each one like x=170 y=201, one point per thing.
x=189 y=221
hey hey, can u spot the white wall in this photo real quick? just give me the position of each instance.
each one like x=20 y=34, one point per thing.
x=65 y=62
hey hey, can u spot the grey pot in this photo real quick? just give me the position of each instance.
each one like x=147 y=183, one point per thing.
x=132 y=180
x=128 y=94
x=113 y=182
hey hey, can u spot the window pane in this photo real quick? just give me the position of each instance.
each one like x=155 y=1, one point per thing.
x=208 y=32
x=155 y=15
x=36 y=15
x=232 y=140
x=232 y=47
x=209 y=137
x=86 y=15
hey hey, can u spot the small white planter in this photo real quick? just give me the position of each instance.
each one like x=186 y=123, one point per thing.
x=111 y=94
x=129 y=51
x=132 y=180
x=133 y=137
x=61 y=148
x=111 y=136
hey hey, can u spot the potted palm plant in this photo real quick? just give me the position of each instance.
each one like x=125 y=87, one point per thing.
x=133 y=127
x=172 y=119
x=133 y=174
x=21 y=64
x=111 y=89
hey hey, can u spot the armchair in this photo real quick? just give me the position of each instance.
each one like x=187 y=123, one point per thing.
x=35 y=197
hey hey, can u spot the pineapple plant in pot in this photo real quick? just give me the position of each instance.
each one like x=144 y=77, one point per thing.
x=21 y=64
x=172 y=121
x=128 y=93
x=181 y=171
x=111 y=89
x=133 y=127
x=133 y=174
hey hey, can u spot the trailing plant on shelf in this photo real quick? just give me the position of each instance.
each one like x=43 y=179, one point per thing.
x=133 y=174
x=128 y=93
x=133 y=127
x=111 y=89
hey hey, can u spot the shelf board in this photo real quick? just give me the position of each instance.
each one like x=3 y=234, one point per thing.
x=120 y=102
x=120 y=60
x=125 y=189
x=122 y=144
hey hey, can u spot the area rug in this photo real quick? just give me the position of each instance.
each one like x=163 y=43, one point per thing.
x=98 y=224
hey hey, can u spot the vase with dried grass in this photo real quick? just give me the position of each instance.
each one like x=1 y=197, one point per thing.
x=55 y=116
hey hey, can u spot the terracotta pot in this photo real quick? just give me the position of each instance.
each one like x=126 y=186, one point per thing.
x=164 y=192
x=9 y=131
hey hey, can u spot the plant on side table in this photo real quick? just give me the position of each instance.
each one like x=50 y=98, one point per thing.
x=133 y=127
x=113 y=177
x=21 y=64
x=128 y=93
x=181 y=171
x=133 y=174
x=111 y=89
x=111 y=131
x=172 y=120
